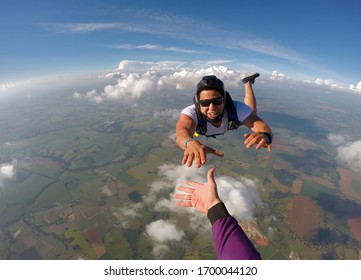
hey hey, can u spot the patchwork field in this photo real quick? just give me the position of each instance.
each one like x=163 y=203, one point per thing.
x=81 y=188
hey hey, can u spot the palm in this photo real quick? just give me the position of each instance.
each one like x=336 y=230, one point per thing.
x=200 y=199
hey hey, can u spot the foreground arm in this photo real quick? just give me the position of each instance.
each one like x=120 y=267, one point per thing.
x=230 y=240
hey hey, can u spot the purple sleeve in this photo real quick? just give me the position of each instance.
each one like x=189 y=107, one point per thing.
x=231 y=242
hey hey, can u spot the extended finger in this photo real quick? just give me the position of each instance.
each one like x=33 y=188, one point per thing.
x=183 y=196
x=190 y=159
x=198 y=160
x=193 y=184
x=246 y=135
x=185 y=157
x=184 y=203
x=262 y=143
x=251 y=140
x=185 y=189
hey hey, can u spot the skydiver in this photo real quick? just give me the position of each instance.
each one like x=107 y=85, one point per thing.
x=214 y=113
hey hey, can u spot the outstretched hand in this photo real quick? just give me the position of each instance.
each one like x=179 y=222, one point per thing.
x=200 y=196
x=197 y=152
x=257 y=138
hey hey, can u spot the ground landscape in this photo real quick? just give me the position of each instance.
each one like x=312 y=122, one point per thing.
x=77 y=163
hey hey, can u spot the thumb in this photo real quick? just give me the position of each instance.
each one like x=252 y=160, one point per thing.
x=217 y=153
x=210 y=175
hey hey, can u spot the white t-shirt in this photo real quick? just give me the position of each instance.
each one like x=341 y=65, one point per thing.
x=243 y=112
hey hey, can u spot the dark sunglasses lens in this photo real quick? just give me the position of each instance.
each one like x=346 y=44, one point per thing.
x=216 y=101
x=205 y=103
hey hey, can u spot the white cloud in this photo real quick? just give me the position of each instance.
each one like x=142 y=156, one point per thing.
x=239 y=195
x=319 y=81
x=350 y=155
x=359 y=85
x=338 y=139
x=7 y=85
x=339 y=86
x=276 y=75
x=162 y=231
x=77 y=95
x=327 y=82
x=132 y=87
x=125 y=215
x=170 y=113
x=356 y=88
x=348 y=152
x=93 y=96
x=7 y=171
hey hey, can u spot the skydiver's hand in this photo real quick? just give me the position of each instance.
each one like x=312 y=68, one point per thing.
x=197 y=152
x=257 y=138
x=200 y=196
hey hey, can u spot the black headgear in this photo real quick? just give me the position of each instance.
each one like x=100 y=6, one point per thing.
x=209 y=82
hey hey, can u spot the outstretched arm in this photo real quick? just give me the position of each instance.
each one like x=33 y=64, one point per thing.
x=262 y=136
x=193 y=149
x=230 y=240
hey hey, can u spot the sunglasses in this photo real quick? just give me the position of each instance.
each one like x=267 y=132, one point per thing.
x=215 y=101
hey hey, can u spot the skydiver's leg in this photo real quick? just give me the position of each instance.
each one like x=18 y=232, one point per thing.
x=249 y=97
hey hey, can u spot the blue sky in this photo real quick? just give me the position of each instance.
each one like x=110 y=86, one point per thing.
x=303 y=40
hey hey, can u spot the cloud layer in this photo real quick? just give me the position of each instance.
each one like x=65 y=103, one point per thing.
x=138 y=78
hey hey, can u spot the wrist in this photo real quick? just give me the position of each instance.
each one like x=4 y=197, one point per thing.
x=187 y=141
x=218 y=211
x=214 y=202
x=268 y=136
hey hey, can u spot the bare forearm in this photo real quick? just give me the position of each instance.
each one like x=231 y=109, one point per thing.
x=182 y=137
x=256 y=124
x=261 y=127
